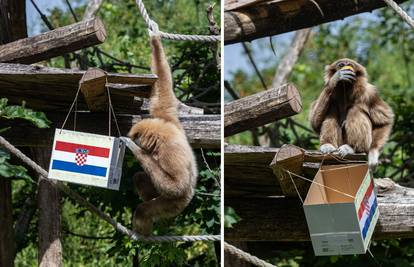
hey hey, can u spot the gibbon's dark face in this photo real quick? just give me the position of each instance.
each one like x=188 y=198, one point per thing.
x=349 y=64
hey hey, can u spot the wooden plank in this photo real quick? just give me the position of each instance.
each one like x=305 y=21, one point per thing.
x=261 y=108
x=267 y=18
x=53 y=89
x=54 y=43
x=248 y=172
x=283 y=219
x=202 y=130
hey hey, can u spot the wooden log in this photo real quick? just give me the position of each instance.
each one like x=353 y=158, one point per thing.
x=202 y=130
x=54 y=43
x=248 y=172
x=283 y=219
x=250 y=20
x=46 y=89
x=261 y=108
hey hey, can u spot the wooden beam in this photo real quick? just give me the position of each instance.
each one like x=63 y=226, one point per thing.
x=202 y=130
x=53 y=89
x=250 y=20
x=54 y=43
x=283 y=219
x=261 y=108
x=248 y=172
x=93 y=88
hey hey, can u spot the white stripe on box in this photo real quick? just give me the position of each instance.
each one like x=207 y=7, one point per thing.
x=90 y=160
x=365 y=215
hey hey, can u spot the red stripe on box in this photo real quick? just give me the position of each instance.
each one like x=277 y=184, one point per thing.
x=365 y=200
x=92 y=150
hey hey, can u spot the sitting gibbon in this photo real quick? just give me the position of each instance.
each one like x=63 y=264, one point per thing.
x=167 y=185
x=349 y=116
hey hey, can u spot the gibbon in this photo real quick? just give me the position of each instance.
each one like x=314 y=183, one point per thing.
x=167 y=185
x=348 y=115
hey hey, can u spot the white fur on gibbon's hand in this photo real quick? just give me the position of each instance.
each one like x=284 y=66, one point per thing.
x=342 y=75
x=327 y=148
x=373 y=156
x=345 y=150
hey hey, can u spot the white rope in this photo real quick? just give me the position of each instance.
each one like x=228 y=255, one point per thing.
x=119 y=227
x=152 y=26
x=400 y=12
x=245 y=256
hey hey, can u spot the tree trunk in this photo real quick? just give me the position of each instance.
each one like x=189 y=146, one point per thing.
x=7 y=245
x=50 y=247
x=12 y=27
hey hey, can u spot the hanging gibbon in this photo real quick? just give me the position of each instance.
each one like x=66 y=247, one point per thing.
x=348 y=115
x=167 y=185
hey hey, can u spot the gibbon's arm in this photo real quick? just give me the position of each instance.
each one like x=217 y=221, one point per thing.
x=163 y=103
x=382 y=119
x=319 y=109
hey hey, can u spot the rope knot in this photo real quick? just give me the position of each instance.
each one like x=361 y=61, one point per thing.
x=153 y=28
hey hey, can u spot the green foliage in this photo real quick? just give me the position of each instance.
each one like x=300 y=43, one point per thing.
x=12 y=112
x=21 y=112
x=230 y=217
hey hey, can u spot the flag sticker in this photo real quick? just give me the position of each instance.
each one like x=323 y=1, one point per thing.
x=80 y=158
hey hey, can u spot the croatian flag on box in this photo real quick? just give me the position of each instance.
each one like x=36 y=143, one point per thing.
x=367 y=210
x=88 y=159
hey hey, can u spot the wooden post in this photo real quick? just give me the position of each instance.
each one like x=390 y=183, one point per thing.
x=261 y=108
x=54 y=43
x=48 y=199
x=252 y=19
x=12 y=27
x=92 y=86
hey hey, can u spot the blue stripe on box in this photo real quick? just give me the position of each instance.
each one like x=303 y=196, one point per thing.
x=72 y=167
x=368 y=221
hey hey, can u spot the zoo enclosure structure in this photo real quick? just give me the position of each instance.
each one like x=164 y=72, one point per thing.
x=254 y=184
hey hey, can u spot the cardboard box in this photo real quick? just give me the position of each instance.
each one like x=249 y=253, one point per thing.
x=341 y=224
x=88 y=159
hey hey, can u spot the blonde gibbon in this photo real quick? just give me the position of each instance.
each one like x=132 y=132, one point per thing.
x=167 y=185
x=348 y=115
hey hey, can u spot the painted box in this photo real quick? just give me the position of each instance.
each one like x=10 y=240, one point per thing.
x=87 y=159
x=341 y=216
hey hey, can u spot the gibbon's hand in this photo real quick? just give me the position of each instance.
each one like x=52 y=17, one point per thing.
x=345 y=75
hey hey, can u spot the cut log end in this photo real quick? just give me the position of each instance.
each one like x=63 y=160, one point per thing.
x=295 y=99
x=100 y=30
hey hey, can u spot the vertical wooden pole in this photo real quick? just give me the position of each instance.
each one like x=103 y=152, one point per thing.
x=50 y=247
x=7 y=243
x=12 y=27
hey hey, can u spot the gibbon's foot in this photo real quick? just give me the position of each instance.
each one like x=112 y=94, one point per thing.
x=373 y=156
x=327 y=148
x=345 y=150
x=140 y=223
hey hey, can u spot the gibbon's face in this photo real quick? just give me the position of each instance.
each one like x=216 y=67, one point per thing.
x=345 y=64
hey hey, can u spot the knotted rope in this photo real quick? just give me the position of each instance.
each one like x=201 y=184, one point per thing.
x=152 y=26
x=245 y=256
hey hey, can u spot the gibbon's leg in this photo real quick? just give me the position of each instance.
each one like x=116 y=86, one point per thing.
x=331 y=135
x=144 y=186
x=358 y=129
x=157 y=208
x=379 y=138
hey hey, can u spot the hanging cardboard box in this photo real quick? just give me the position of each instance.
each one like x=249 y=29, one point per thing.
x=87 y=159
x=341 y=210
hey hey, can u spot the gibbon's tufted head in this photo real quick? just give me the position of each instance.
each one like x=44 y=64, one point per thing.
x=346 y=63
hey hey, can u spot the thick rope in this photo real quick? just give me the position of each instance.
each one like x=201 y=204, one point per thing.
x=75 y=196
x=400 y=12
x=173 y=36
x=245 y=256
